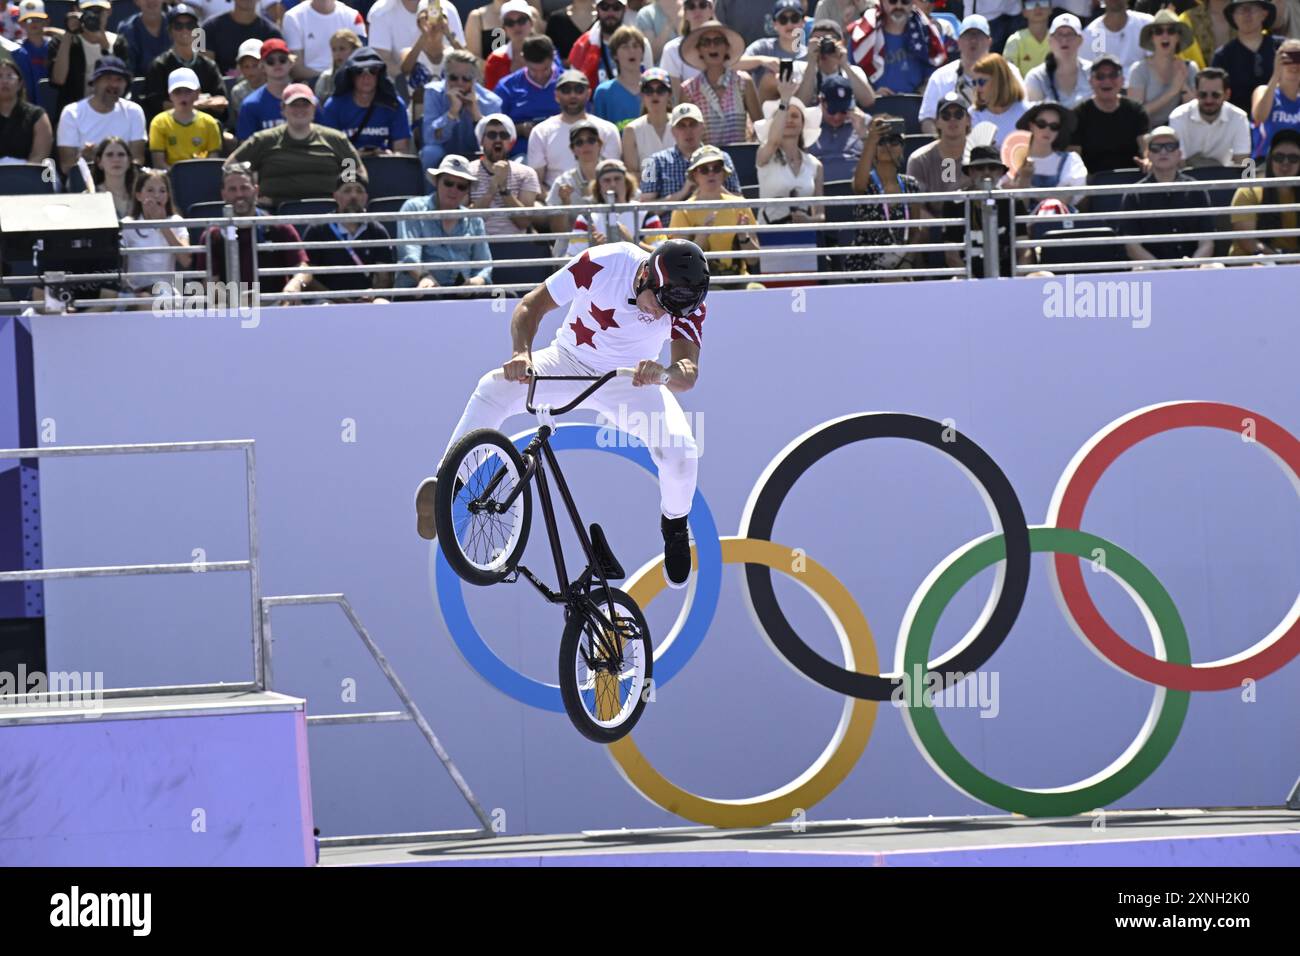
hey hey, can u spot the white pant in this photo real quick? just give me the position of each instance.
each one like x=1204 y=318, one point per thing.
x=650 y=412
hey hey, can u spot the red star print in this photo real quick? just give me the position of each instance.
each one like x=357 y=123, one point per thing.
x=583 y=334
x=603 y=316
x=584 y=270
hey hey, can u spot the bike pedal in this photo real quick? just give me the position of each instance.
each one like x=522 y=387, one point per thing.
x=609 y=566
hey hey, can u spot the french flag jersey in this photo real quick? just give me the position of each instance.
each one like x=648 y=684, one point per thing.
x=605 y=329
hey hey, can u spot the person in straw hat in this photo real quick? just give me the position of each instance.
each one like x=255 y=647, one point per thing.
x=726 y=96
x=1163 y=81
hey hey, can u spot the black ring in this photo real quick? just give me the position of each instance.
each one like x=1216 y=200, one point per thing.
x=760 y=519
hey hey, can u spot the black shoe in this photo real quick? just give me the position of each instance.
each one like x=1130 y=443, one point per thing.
x=677 y=551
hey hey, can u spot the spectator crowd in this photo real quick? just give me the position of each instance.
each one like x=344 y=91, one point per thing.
x=516 y=108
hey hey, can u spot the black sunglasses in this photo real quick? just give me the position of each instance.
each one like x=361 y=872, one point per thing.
x=459 y=185
x=1162 y=147
x=655 y=89
x=952 y=113
x=496 y=134
x=511 y=22
x=788 y=20
x=1044 y=124
x=570 y=89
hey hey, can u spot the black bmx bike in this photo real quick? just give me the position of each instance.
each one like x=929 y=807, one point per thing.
x=483 y=511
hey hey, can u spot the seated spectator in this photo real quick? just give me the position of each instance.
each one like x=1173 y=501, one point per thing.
x=529 y=96
x=788 y=44
x=571 y=185
x=365 y=107
x=182 y=21
x=251 y=77
x=451 y=184
x=937 y=166
x=102 y=114
x=844 y=126
x=973 y=44
x=501 y=182
x=1166 y=157
x=35 y=48
x=725 y=96
x=548 y=146
x=264 y=107
x=25 y=132
x=86 y=41
x=226 y=33
x=182 y=132
x=437 y=36
x=239 y=191
x=827 y=56
x=695 y=13
x=1210 y=30
x=897 y=47
x=1163 y=81
x=298 y=159
x=342 y=45
x=453 y=108
x=649 y=132
x=491 y=27
x=351 y=195
x=148 y=273
x=786 y=169
x=1283 y=160
x=1049 y=162
x=1211 y=130
x=664 y=174
x=395 y=27
x=1109 y=127
x=1029 y=47
x=637 y=226
x=880 y=173
x=1277 y=105
x=983 y=169
x=307 y=30
x=660 y=21
x=1063 y=76
x=999 y=95
x=707 y=170
x=618 y=100
x=1248 y=59
x=517 y=25
x=146 y=35
x=1116 y=32
x=591 y=53
x=114 y=173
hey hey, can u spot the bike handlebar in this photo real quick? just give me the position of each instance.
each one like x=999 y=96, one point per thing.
x=596 y=380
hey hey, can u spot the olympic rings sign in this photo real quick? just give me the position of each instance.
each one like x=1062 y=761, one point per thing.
x=1009 y=547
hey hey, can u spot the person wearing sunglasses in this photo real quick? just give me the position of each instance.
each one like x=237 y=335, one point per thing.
x=264 y=107
x=1166 y=158
x=695 y=13
x=999 y=95
x=725 y=95
x=788 y=22
x=572 y=184
x=454 y=105
x=650 y=132
x=593 y=52
x=366 y=107
x=1163 y=81
x=1212 y=131
x=506 y=53
x=549 y=145
x=1283 y=160
x=1048 y=161
x=501 y=182
x=452 y=181
x=182 y=22
x=897 y=46
x=492 y=26
x=1028 y=48
x=1277 y=105
x=1109 y=127
x=708 y=172
x=351 y=196
x=618 y=99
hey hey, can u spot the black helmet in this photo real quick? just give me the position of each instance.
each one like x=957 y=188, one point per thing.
x=679 y=276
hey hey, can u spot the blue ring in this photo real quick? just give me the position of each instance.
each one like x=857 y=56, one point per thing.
x=544 y=696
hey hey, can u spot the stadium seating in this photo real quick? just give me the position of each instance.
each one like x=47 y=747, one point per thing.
x=744 y=158
x=914 y=141
x=195 y=181
x=396 y=176
x=906 y=106
x=22 y=179
x=503 y=252
x=305 y=207
x=1111 y=202
x=48 y=100
x=203 y=210
x=1102 y=252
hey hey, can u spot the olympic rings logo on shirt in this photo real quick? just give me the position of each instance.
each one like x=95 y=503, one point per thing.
x=1008 y=547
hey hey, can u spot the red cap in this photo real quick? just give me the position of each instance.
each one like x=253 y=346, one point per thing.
x=275 y=45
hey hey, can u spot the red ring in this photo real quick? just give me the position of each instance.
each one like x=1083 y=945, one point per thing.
x=1077 y=483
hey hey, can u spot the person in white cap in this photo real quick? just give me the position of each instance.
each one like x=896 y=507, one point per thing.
x=1062 y=77
x=34 y=50
x=663 y=174
x=1118 y=32
x=452 y=181
x=394 y=27
x=1165 y=155
x=251 y=77
x=548 y=145
x=974 y=41
x=226 y=33
x=500 y=182
x=183 y=132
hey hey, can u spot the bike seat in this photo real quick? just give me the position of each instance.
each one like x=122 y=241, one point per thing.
x=609 y=566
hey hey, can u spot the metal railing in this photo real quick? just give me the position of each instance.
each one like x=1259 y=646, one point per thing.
x=919 y=226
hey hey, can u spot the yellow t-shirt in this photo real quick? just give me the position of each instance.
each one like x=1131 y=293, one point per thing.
x=717 y=241
x=1024 y=52
x=194 y=140
x=1253 y=196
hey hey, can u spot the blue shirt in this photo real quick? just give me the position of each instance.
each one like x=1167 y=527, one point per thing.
x=454 y=135
x=526 y=102
x=904 y=73
x=384 y=126
x=614 y=103
x=23 y=60
x=144 y=46
x=260 y=110
x=411 y=251
x=38 y=62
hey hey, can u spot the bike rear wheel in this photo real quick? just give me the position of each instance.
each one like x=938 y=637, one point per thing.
x=480 y=471
x=605 y=675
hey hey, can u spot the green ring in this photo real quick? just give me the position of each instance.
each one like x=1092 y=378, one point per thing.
x=1165 y=719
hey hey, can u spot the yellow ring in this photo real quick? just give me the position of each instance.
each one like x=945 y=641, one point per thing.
x=845 y=747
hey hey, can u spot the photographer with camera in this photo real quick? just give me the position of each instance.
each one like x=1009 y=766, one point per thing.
x=827 y=57
x=74 y=55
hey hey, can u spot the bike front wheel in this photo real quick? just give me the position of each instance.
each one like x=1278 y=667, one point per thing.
x=605 y=671
x=482 y=543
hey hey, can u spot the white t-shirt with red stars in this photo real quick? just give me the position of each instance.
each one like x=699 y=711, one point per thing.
x=605 y=328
